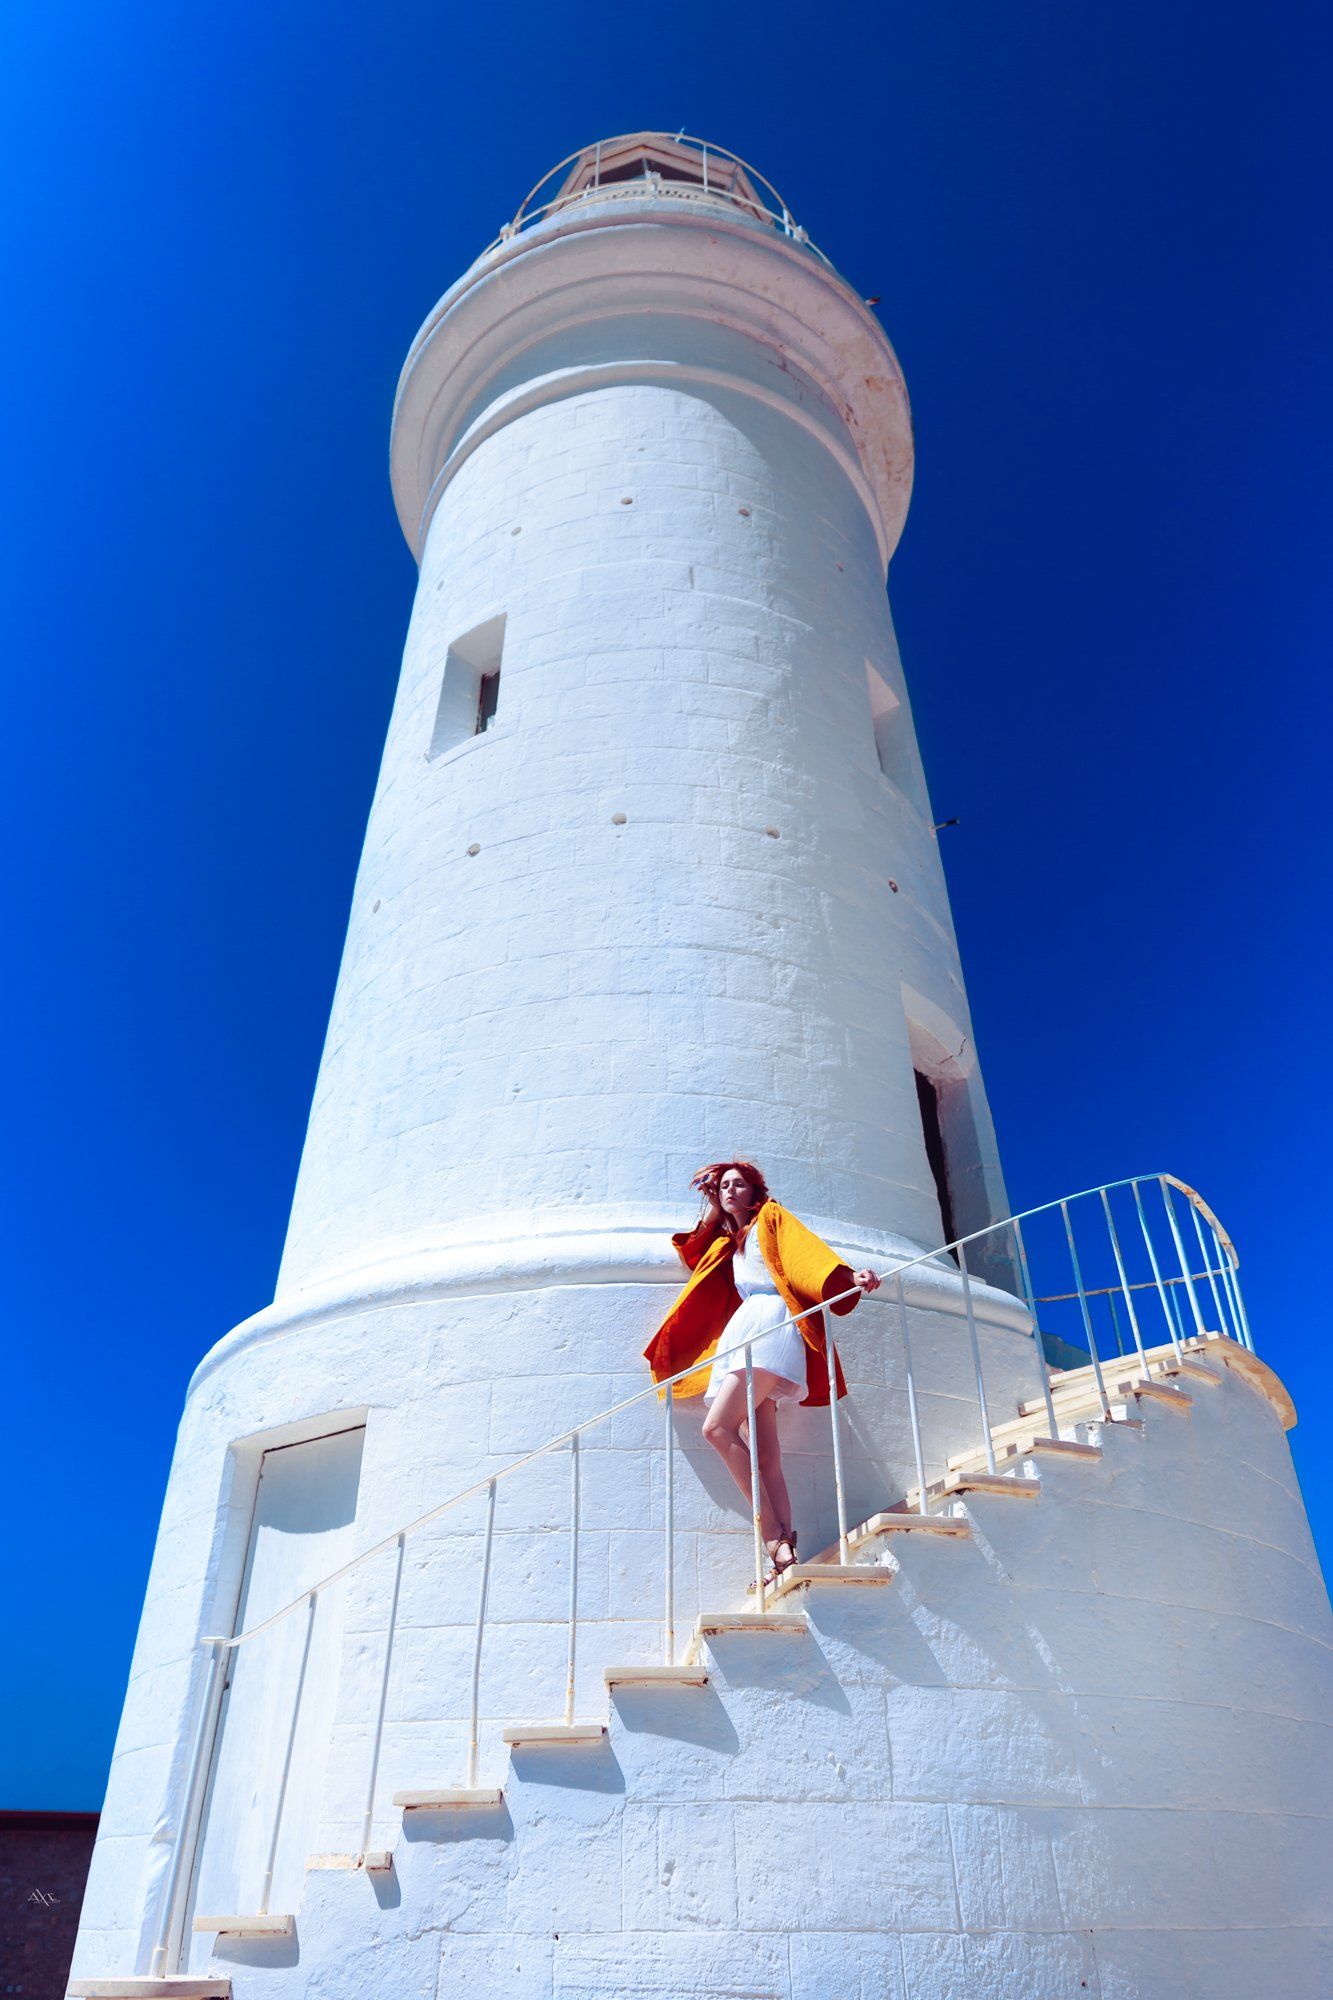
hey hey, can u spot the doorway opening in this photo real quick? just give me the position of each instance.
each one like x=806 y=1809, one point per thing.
x=932 y=1127
x=266 y=1786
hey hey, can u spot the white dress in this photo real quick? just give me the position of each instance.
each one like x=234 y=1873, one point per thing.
x=761 y=1312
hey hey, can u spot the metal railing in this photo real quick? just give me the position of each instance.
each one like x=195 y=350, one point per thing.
x=723 y=177
x=1118 y=1265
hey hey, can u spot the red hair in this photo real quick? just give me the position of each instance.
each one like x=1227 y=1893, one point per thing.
x=709 y=1179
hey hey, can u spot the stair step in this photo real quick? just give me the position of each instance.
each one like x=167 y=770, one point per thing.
x=1079 y=1385
x=1196 y=1371
x=1068 y=1404
x=1162 y=1356
x=690 y=1677
x=450 y=1797
x=1004 y=1485
x=1033 y=1443
x=710 y=1622
x=1010 y=1440
x=1066 y=1410
x=801 y=1574
x=1162 y=1392
x=553 y=1734
x=254 y=1926
x=175 y=1988
x=1117 y=1385
x=375 y=1861
x=956 y=1526
x=922 y=1524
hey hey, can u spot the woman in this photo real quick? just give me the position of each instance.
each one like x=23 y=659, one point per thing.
x=753 y=1266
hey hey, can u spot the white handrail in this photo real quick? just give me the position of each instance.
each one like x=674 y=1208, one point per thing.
x=474 y=1710
x=669 y=1553
x=976 y=1357
x=659 y=1388
x=377 y=1741
x=571 y=1655
x=170 y=1918
x=913 y=1413
x=756 y=1515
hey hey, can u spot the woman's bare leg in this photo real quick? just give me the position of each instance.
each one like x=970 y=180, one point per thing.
x=722 y=1428
x=770 y=1462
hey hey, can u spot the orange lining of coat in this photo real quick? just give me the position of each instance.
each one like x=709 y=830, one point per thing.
x=805 y=1272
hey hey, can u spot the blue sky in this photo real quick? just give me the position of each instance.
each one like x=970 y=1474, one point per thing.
x=1096 y=232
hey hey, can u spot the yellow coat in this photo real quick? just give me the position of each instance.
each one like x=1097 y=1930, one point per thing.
x=805 y=1272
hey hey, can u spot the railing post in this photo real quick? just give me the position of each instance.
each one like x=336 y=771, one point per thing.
x=1173 y=1291
x=1083 y=1308
x=1230 y=1317
x=390 y=1630
x=187 y=1820
x=570 y=1656
x=835 y=1425
x=669 y=1607
x=475 y=1705
x=976 y=1358
x=1038 y=1351
x=1157 y=1272
x=761 y=1596
x=1208 y=1268
x=1240 y=1304
x=1231 y=1283
x=266 y=1888
x=1115 y=1327
x=1179 y=1242
x=913 y=1415
x=1124 y=1281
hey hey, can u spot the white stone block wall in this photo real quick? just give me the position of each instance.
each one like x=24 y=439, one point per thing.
x=672 y=455
x=1090 y=1743
x=632 y=973
x=451 y=1390
x=583 y=1011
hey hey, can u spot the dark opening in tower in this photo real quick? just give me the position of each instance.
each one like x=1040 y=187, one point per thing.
x=928 y=1099
x=488 y=699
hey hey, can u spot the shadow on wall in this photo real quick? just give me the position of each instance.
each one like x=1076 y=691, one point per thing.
x=960 y=1148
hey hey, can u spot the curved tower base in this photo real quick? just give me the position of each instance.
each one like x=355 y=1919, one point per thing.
x=1074 y=1741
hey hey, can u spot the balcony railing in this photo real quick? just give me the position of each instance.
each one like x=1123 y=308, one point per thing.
x=706 y=173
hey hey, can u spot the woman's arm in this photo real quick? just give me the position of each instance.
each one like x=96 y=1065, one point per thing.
x=690 y=1244
x=842 y=1280
x=817 y=1269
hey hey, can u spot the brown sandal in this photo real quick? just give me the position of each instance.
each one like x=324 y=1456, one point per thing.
x=778 y=1567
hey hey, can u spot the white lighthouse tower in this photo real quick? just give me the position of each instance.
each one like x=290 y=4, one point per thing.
x=450 y=1675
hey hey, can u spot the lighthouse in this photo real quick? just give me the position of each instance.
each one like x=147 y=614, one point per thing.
x=454 y=1667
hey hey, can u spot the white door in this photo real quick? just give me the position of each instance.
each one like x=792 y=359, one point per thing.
x=271 y=1748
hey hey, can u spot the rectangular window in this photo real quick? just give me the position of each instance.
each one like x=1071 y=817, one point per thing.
x=470 y=688
x=884 y=707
